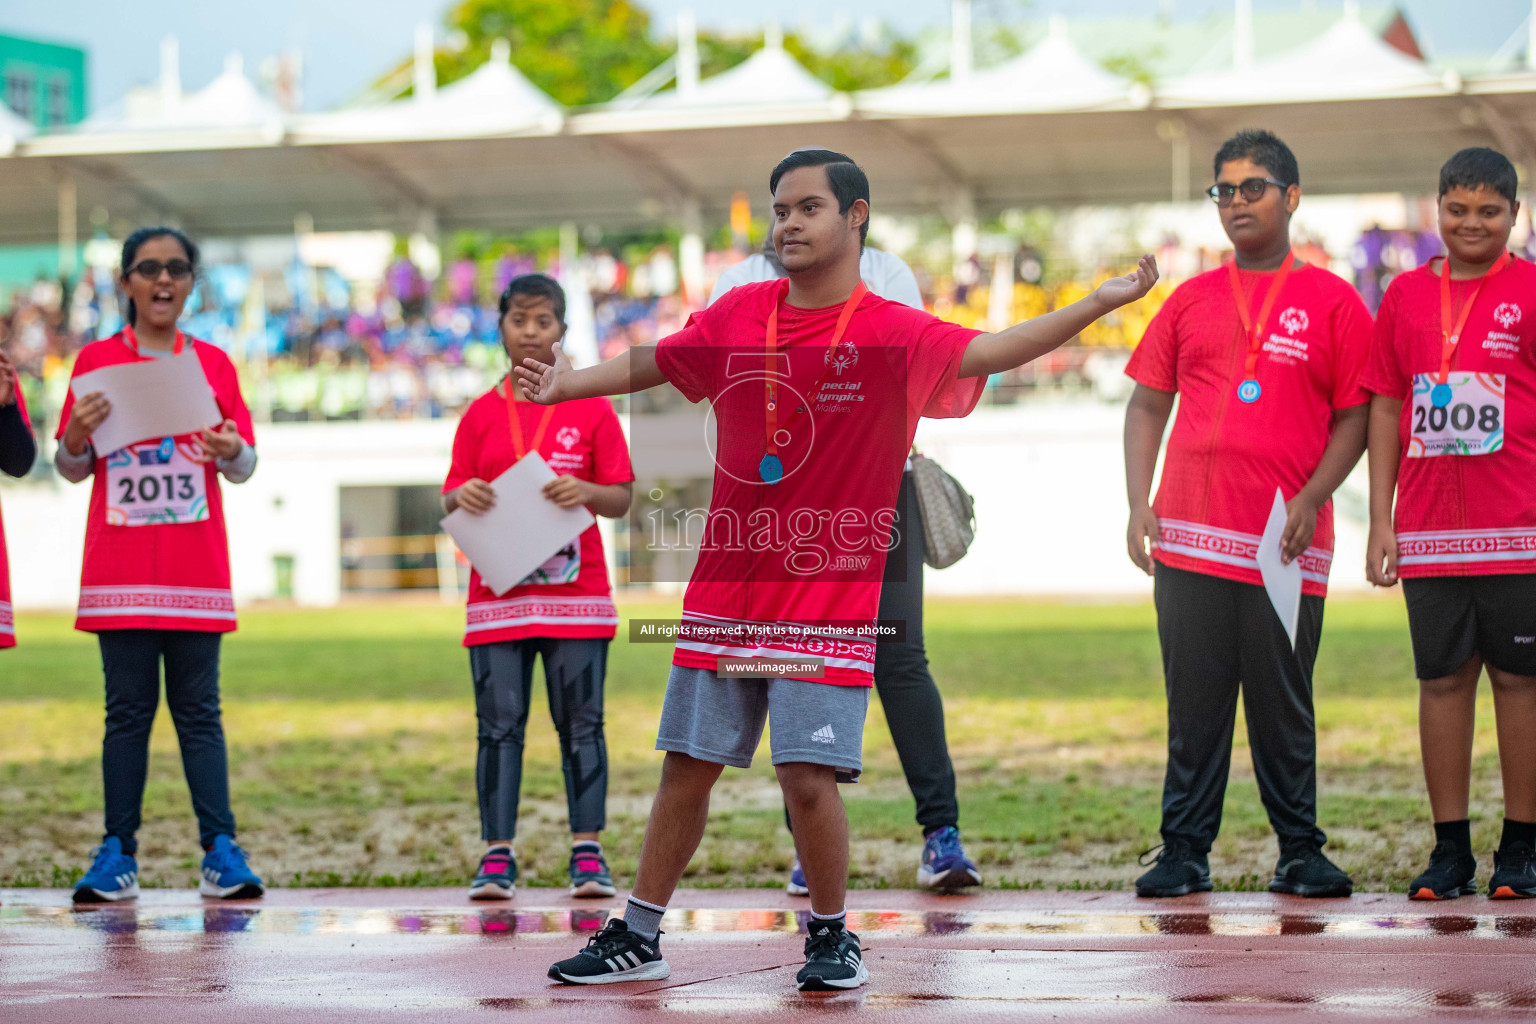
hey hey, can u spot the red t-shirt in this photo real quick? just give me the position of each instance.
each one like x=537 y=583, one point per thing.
x=582 y=439
x=1225 y=457
x=1463 y=515
x=7 y=615
x=158 y=575
x=809 y=549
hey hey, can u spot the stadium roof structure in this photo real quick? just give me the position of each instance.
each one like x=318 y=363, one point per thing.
x=491 y=152
x=496 y=99
x=1052 y=76
x=1348 y=61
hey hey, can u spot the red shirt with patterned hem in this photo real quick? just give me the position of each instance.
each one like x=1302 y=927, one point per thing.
x=1463 y=515
x=1225 y=457
x=793 y=568
x=581 y=438
x=157 y=574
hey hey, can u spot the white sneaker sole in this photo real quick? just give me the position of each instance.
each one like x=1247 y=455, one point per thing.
x=243 y=891
x=796 y=890
x=592 y=890
x=654 y=971
x=822 y=984
x=128 y=893
x=491 y=891
x=960 y=879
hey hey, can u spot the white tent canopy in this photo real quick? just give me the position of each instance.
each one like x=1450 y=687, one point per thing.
x=769 y=87
x=770 y=75
x=1349 y=61
x=495 y=99
x=1052 y=76
x=13 y=129
x=230 y=101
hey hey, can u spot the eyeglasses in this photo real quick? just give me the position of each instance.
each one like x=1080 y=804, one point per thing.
x=1252 y=189
x=151 y=269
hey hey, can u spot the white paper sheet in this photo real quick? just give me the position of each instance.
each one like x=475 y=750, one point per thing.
x=521 y=531
x=156 y=398
x=1281 y=582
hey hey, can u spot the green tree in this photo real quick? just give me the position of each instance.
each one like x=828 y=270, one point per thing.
x=578 y=51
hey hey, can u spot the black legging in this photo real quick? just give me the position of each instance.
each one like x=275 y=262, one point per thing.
x=913 y=708
x=130 y=660
x=503 y=677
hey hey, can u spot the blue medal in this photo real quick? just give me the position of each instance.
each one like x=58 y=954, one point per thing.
x=1440 y=395
x=1249 y=391
x=770 y=469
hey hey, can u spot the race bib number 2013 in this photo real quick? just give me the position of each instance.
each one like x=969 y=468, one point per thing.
x=155 y=483
x=1463 y=415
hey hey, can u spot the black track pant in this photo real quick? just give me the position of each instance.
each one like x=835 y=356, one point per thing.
x=130 y=660
x=574 y=670
x=1218 y=636
x=913 y=708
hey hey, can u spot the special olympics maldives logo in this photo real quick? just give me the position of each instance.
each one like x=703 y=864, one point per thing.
x=1507 y=314
x=1294 y=320
x=567 y=437
x=845 y=358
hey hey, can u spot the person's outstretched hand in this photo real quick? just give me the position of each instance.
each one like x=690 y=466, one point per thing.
x=541 y=382
x=1117 y=291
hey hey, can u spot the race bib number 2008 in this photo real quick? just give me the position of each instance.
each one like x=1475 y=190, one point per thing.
x=1463 y=415
x=155 y=483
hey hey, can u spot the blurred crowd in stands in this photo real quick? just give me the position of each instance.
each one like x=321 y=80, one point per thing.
x=311 y=347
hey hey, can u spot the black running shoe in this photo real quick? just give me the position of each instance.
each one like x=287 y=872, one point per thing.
x=1178 y=871
x=1514 y=873
x=1451 y=873
x=613 y=954
x=1303 y=870
x=832 y=959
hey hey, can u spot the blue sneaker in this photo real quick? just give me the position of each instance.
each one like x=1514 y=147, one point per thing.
x=589 y=872
x=797 y=886
x=496 y=878
x=226 y=875
x=113 y=876
x=945 y=865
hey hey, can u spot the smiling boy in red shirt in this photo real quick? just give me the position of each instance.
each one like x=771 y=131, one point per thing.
x=1453 y=438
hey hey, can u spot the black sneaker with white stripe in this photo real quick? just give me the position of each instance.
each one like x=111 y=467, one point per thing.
x=832 y=959
x=613 y=954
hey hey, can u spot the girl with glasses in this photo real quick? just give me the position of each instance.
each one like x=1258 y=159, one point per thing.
x=155 y=583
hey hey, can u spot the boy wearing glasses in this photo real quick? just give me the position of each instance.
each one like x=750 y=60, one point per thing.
x=1265 y=354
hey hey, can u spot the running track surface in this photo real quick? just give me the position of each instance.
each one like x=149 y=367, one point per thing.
x=384 y=955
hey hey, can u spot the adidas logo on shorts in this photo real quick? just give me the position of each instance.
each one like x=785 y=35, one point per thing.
x=824 y=735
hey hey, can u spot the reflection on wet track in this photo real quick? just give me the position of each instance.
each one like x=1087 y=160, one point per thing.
x=380 y=956
x=733 y=923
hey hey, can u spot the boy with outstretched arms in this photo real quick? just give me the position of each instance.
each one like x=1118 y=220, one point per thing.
x=1265 y=356
x=1453 y=439
x=817 y=386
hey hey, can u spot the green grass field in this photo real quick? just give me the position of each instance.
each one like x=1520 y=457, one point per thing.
x=352 y=744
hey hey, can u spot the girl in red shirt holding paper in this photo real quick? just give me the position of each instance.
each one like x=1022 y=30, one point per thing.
x=563 y=612
x=155 y=584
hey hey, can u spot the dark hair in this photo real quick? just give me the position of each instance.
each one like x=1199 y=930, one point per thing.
x=1263 y=148
x=847 y=179
x=536 y=286
x=131 y=254
x=1477 y=168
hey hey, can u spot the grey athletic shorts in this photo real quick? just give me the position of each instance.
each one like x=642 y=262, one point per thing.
x=721 y=720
